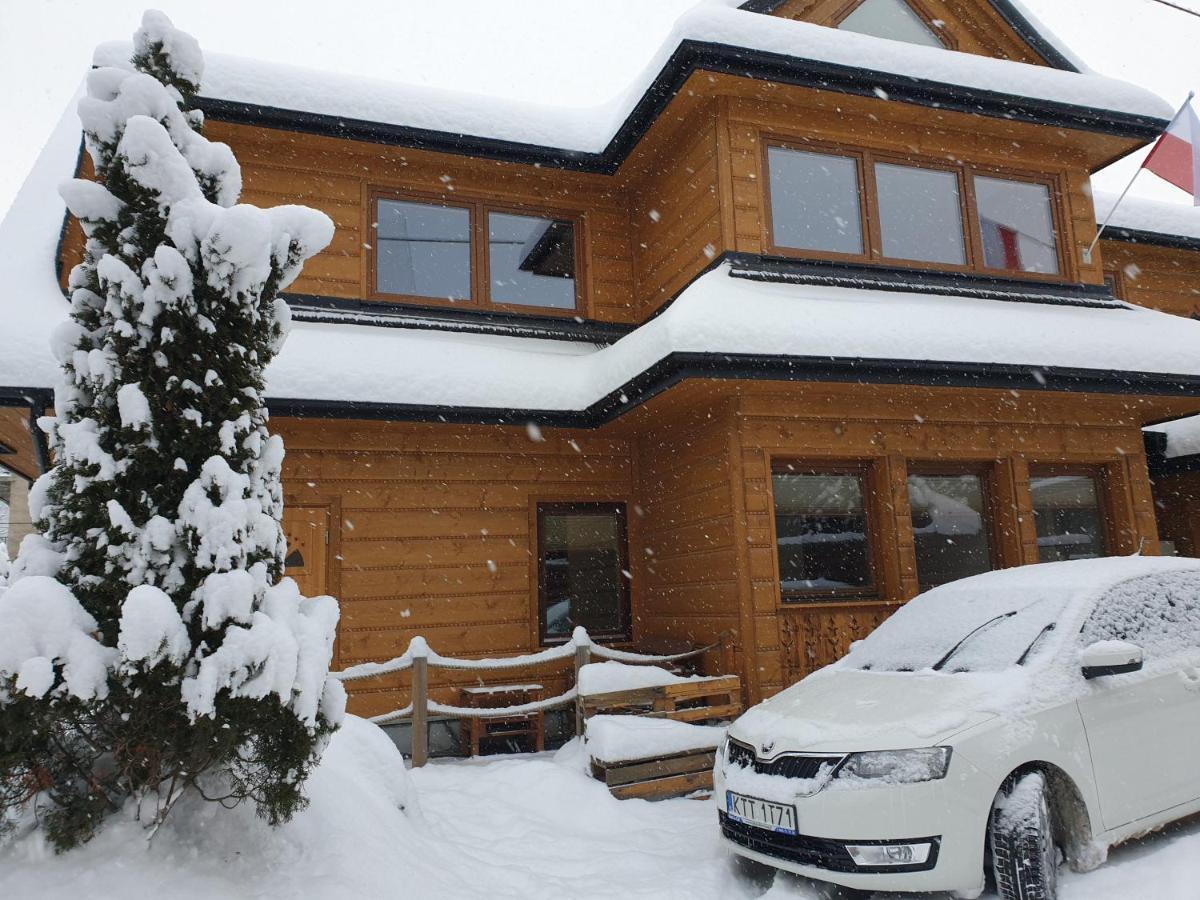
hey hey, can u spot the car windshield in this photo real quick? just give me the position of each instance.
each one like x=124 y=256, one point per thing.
x=959 y=629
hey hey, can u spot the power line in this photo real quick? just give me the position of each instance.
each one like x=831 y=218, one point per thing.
x=1183 y=9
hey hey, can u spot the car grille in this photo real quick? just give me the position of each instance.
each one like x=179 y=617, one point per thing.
x=785 y=765
x=820 y=853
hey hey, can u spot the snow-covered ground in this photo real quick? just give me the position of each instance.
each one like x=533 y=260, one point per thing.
x=511 y=827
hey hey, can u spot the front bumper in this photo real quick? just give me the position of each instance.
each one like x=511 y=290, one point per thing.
x=951 y=814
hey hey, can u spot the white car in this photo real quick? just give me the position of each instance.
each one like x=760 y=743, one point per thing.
x=1010 y=720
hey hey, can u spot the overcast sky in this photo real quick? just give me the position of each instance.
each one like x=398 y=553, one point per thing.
x=555 y=51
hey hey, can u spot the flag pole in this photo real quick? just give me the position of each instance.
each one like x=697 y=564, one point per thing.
x=1087 y=254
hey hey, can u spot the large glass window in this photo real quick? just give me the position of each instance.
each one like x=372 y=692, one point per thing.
x=892 y=19
x=531 y=260
x=424 y=250
x=470 y=253
x=583 y=573
x=950 y=526
x=815 y=201
x=1068 y=510
x=920 y=214
x=821 y=529
x=1016 y=224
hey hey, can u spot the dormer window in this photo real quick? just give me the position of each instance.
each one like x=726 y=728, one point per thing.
x=893 y=19
x=863 y=206
x=473 y=254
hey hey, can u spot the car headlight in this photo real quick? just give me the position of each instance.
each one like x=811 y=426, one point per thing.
x=897 y=766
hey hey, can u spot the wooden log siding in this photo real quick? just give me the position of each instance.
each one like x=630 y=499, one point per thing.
x=1161 y=278
x=437 y=535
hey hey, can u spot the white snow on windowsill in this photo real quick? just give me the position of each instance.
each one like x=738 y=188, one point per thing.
x=589 y=129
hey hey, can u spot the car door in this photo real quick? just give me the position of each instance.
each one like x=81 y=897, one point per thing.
x=1143 y=728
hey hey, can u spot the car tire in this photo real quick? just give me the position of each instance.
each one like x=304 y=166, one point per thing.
x=1021 y=832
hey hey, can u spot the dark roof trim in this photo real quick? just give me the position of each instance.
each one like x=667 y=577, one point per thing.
x=678 y=367
x=917 y=281
x=383 y=314
x=1153 y=238
x=1009 y=13
x=689 y=57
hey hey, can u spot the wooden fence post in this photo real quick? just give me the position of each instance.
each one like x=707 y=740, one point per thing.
x=420 y=711
x=583 y=655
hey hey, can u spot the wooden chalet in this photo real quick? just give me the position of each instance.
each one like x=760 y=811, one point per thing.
x=809 y=326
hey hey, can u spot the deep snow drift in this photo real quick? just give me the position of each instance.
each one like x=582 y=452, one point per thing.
x=515 y=827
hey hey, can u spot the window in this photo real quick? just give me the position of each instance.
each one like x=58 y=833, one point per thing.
x=531 y=260
x=582 y=570
x=424 y=250
x=821 y=533
x=1159 y=613
x=951 y=531
x=858 y=205
x=892 y=19
x=815 y=201
x=920 y=214
x=438 y=252
x=1068 y=511
x=1016 y=225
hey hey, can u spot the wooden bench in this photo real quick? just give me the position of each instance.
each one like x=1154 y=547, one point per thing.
x=658 y=778
x=718 y=697
x=529 y=725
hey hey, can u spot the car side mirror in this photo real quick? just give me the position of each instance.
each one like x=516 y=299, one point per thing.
x=1111 y=658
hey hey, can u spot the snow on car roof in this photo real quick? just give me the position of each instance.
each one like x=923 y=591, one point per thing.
x=719 y=315
x=1015 y=605
x=591 y=129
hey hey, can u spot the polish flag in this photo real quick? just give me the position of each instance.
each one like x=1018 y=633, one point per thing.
x=1176 y=156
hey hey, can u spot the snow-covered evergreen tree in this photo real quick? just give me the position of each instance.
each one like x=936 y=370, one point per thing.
x=147 y=643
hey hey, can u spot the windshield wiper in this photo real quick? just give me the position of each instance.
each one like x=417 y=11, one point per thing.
x=1041 y=634
x=941 y=663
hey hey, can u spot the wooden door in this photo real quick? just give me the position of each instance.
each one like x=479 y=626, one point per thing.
x=308 y=536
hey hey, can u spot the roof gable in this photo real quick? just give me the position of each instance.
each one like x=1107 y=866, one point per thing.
x=996 y=28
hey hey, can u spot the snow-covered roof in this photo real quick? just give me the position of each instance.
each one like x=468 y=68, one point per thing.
x=1149 y=221
x=711 y=35
x=1183 y=436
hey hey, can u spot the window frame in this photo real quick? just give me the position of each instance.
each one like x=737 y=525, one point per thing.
x=1098 y=472
x=947 y=40
x=566 y=507
x=867 y=473
x=987 y=478
x=480 y=274
x=866 y=159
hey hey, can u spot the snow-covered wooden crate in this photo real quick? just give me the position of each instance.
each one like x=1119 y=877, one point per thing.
x=652 y=759
x=612 y=687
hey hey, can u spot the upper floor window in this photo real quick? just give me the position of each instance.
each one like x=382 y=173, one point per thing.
x=473 y=254
x=854 y=204
x=892 y=19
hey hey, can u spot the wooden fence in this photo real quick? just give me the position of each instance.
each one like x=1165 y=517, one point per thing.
x=420 y=657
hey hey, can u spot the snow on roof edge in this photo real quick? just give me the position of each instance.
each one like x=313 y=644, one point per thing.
x=591 y=129
x=1154 y=217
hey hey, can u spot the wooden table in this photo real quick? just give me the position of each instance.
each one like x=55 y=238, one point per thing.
x=531 y=725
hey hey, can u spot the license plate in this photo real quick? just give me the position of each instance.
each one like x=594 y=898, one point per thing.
x=777 y=817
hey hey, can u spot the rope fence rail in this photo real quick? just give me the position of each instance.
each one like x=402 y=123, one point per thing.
x=419 y=657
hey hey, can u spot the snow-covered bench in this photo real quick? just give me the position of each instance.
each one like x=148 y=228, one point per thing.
x=617 y=688
x=638 y=756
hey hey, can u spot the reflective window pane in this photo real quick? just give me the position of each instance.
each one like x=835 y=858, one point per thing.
x=1069 y=516
x=531 y=261
x=423 y=250
x=821 y=529
x=582 y=556
x=950 y=529
x=920 y=214
x=815 y=201
x=1016 y=223
x=892 y=19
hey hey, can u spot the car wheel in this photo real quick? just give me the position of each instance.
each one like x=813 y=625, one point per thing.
x=1021 y=833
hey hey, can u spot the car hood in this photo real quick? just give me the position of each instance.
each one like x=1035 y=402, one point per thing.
x=847 y=710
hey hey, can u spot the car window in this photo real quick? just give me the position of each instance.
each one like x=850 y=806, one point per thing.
x=1159 y=613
